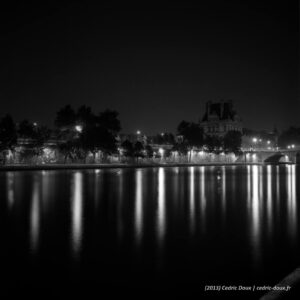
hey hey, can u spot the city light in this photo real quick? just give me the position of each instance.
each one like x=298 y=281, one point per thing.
x=138 y=132
x=269 y=142
x=254 y=140
x=78 y=128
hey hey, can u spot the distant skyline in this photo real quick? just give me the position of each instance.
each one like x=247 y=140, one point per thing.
x=156 y=66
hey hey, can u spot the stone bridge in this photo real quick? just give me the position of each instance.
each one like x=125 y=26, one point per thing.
x=271 y=156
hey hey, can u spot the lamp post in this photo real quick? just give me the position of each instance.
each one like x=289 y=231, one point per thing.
x=161 y=151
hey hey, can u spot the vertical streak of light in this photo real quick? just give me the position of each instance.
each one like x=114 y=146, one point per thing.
x=76 y=210
x=255 y=212
x=10 y=189
x=161 y=214
x=249 y=187
x=269 y=201
x=294 y=202
x=202 y=197
x=35 y=216
x=277 y=190
x=192 y=200
x=120 y=207
x=291 y=201
x=96 y=193
x=223 y=191
x=138 y=214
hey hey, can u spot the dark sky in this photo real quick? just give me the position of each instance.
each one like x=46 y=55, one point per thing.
x=154 y=65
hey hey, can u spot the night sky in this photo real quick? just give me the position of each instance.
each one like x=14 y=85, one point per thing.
x=155 y=65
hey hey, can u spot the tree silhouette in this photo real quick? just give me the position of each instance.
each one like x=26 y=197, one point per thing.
x=8 y=135
x=233 y=141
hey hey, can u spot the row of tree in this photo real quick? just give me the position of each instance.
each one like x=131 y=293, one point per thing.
x=79 y=132
x=76 y=133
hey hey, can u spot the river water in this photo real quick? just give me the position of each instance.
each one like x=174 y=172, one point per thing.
x=148 y=232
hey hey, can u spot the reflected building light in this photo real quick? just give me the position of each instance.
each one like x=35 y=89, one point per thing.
x=97 y=187
x=10 y=189
x=120 y=208
x=76 y=211
x=192 y=200
x=47 y=191
x=35 y=216
x=223 y=191
x=138 y=214
x=291 y=202
x=277 y=189
x=269 y=200
x=249 y=188
x=255 y=213
x=161 y=213
x=202 y=196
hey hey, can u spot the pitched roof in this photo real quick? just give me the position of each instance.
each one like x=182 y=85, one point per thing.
x=227 y=113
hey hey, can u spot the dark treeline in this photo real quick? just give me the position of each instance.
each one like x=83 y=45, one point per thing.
x=80 y=133
x=75 y=133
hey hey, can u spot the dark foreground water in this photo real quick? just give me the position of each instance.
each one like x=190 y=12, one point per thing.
x=147 y=233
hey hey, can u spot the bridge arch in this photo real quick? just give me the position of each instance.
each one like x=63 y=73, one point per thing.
x=275 y=158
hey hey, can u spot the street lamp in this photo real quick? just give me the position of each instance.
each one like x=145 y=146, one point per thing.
x=161 y=152
x=78 y=128
x=138 y=132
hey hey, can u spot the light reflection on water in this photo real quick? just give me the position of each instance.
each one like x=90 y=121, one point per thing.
x=192 y=200
x=161 y=209
x=77 y=212
x=10 y=189
x=138 y=206
x=151 y=209
x=35 y=215
x=202 y=198
x=291 y=201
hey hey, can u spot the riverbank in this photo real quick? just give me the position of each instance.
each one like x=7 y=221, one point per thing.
x=19 y=167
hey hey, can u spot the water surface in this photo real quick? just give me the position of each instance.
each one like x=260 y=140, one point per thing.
x=148 y=232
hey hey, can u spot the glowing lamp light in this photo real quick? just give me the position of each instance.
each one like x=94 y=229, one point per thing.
x=138 y=132
x=293 y=146
x=269 y=142
x=161 y=151
x=254 y=140
x=78 y=128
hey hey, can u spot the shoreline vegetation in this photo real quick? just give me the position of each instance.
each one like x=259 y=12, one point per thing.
x=78 y=166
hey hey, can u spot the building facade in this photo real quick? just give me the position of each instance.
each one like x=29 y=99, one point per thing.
x=219 y=118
